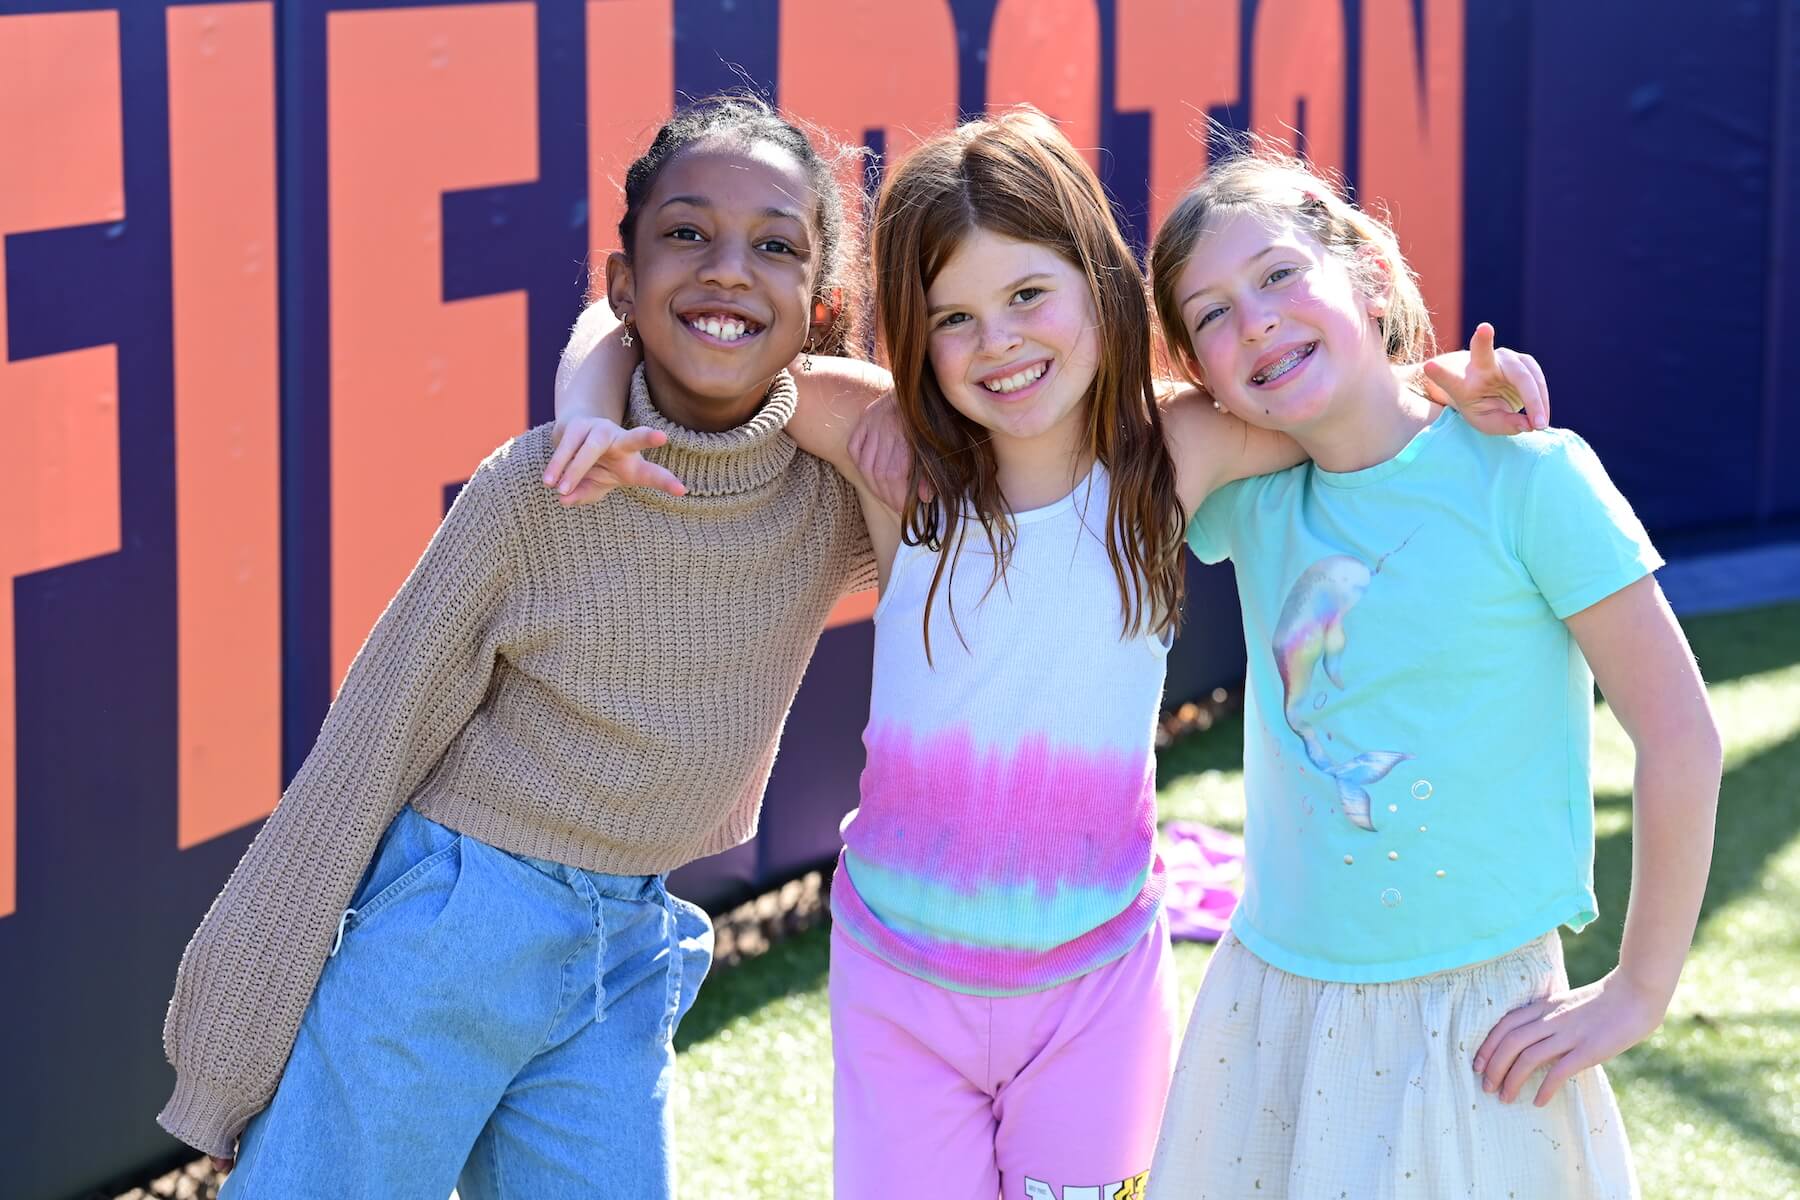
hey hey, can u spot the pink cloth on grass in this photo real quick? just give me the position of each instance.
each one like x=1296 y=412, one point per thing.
x=1205 y=874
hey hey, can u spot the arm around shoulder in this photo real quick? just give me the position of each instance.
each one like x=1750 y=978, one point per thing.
x=836 y=419
x=594 y=373
x=830 y=399
x=1212 y=448
x=594 y=453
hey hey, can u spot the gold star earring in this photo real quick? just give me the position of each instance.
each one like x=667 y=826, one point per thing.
x=625 y=337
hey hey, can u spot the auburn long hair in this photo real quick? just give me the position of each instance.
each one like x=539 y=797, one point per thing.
x=1016 y=175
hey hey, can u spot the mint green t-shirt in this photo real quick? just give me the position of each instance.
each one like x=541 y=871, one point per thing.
x=1417 y=719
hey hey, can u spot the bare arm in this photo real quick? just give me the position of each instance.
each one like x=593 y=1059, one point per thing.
x=594 y=374
x=829 y=401
x=830 y=405
x=1643 y=665
x=1211 y=448
x=1642 y=662
x=594 y=378
x=593 y=454
x=1498 y=391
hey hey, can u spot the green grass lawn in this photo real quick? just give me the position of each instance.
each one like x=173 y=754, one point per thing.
x=1712 y=1100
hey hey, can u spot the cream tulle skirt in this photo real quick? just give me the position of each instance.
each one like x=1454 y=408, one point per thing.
x=1296 y=1088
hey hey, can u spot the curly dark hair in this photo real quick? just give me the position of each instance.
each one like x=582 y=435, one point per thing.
x=744 y=118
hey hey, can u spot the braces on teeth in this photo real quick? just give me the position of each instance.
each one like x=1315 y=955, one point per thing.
x=1282 y=365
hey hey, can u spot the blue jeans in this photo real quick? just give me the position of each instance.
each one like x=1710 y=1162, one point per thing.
x=490 y=1022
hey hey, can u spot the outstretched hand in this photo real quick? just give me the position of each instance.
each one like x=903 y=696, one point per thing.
x=1498 y=391
x=593 y=456
x=1566 y=1032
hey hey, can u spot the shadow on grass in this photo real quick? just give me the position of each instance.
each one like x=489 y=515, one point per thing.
x=1732 y=645
x=1758 y=816
x=793 y=965
x=1719 y=1092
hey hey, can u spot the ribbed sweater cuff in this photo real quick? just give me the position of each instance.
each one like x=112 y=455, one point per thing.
x=205 y=1119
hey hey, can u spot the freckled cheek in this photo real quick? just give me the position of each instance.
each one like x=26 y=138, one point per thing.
x=1063 y=323
x=1084 y=359
x=948 y=362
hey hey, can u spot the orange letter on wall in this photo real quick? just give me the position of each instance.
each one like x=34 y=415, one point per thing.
x=421 y=101
x=1299 y=56
x=857 y=65
x=631 y=90
x=1177 y=58
x=227 y=414
x=1047 y=53
x=62 y=146
x=1412 y=143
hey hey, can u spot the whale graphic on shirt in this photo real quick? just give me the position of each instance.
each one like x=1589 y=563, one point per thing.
x=1309 y=635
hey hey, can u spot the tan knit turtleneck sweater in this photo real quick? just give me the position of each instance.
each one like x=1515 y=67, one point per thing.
x=602 y=686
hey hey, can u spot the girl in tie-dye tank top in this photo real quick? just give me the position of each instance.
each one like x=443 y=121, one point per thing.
x=1003 y=1001
x=1001 y=983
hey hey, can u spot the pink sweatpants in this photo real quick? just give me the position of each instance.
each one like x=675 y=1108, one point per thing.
x=1056 y=1095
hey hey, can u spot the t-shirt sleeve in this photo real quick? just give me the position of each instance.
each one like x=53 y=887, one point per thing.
x=1211 y=533
x=1578 y=536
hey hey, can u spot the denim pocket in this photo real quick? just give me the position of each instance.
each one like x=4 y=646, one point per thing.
x=411 y=851
x=694 y=945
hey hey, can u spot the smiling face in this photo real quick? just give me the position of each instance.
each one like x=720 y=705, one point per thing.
x=1013 y=339
x=719 y=281
x=1280 y=331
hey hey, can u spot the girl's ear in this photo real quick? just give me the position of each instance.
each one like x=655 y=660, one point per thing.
x=1199 y=379
x=1375 y=280
x=828 y=305
x=619 y=284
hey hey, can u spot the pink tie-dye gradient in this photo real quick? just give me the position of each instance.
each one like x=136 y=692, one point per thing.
x=980 y=826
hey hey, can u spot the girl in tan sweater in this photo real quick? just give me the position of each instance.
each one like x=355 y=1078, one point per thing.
x=449 y=958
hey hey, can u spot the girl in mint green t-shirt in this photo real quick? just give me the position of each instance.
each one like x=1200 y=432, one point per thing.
x=1427 y=610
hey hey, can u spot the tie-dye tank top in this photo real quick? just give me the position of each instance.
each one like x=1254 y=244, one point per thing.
x=1006 y=838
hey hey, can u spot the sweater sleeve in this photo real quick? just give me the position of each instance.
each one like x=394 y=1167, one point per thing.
x=857 y=552
x=251 y=968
